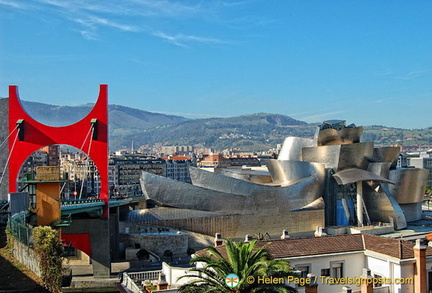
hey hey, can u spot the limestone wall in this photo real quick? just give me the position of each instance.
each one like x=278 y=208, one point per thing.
x=158 y=243
x=132 y=232
x=237 y=226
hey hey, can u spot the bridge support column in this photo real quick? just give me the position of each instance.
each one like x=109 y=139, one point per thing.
x=99 y=232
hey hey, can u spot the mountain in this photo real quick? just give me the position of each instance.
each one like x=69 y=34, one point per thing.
x=120 y=117
x=250 y=132
x=254 y=132
x=123 y=121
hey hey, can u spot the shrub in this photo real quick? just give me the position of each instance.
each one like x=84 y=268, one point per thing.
x=49 y=248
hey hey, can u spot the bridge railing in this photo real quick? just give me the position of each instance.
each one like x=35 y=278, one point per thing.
x=19 y=229
x=80 y=201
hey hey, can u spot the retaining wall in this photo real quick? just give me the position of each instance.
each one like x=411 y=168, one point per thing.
x=26 y=256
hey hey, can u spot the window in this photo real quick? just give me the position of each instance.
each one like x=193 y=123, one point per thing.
x=377 y=277
x=325 y=272
x=303 y=269
x=336 y=269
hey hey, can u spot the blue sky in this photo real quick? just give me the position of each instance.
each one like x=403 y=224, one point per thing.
x=366 y=61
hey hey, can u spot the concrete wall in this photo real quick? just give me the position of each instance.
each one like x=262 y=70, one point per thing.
x=99 y=231
x=4 y=130
x=172 y=275
x=26 y=256
x=115 y=252
x=237 y=226
x=80 y=258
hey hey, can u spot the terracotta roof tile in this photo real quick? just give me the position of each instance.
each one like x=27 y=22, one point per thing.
x=315 y=246
x=397 y=248
x=289 y=248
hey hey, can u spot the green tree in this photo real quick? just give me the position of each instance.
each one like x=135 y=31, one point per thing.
x=50 y=249
x=240 y=258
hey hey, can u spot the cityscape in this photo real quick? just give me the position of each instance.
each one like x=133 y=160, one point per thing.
x=220 y=146
x=318 y=203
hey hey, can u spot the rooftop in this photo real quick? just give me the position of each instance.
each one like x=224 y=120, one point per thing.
x=289 y=248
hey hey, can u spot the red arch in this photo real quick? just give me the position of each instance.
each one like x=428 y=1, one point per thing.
x=34 y=135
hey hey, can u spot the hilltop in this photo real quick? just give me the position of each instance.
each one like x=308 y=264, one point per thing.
x=248 y=132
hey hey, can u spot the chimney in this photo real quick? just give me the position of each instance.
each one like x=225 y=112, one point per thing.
x=420 y=267
x=285 y=234
x=248 y=238
x=312 y=287
x=319 y=232
x=218 y=240
x=366 y=286
x=162 y=284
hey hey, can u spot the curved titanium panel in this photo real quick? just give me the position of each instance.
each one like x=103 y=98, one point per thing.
x=178 y=194
x=329 y=137
x=221 y=183
x=412 y=211
x=315 y=205
x=381 y=169
x=218 y=193
x=287 y=172
x=410 y=184
x=163 y=213
x=340 y=157
x=381 y=206
x=356 y=155
x=354 y=175
x=274 y=200
x=292 y=148
x=257 y=177
x=351 y=134
x=386 y=154
x=266 y=198
x=327 y=155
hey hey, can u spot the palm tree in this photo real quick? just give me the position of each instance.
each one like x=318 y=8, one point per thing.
x=239 y=258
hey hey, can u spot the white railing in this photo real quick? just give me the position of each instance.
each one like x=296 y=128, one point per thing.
x=142 y=276
x=130 y=284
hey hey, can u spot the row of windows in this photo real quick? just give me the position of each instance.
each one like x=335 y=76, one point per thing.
x=335 y=270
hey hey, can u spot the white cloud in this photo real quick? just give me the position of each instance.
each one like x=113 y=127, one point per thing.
x=12 y=4
x=181 y=40
x=94 y=21
x=323 y=116
x=148 y=16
